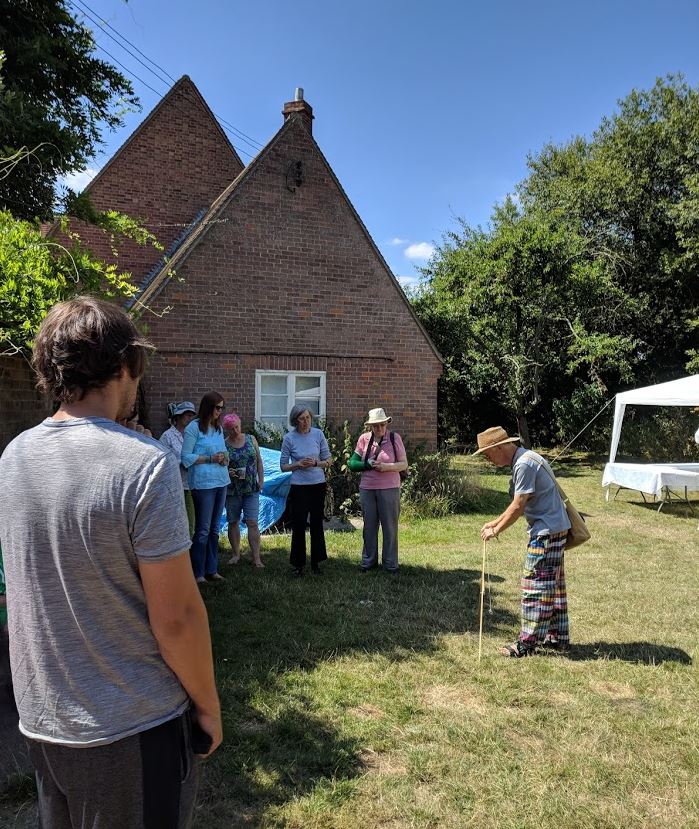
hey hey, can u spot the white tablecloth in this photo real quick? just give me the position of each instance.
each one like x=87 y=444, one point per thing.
x=652 y=477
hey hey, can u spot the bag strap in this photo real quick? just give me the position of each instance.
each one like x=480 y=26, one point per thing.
x=368 y=447
x=542 y=465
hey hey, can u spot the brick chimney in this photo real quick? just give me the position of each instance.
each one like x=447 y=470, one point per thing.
x=299 y=105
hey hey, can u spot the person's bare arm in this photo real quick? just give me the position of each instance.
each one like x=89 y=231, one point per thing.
x=180 y=625
x=514 y=511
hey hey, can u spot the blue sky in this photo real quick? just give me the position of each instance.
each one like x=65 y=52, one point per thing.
x=426 y=111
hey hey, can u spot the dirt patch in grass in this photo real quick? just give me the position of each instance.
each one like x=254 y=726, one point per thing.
x=562 y=699
x=613 y=690
x=383 y=764
x=450 y=698
x=367 y=712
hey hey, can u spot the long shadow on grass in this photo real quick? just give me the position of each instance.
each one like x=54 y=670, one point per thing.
x=642 y=653
x=271 y=631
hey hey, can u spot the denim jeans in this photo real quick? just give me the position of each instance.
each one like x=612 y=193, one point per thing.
x=208 y=507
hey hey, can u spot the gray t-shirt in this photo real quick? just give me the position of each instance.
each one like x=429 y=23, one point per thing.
x=545 y=511
x=83 y=500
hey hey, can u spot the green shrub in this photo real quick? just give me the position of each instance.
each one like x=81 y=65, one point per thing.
x=434 y=488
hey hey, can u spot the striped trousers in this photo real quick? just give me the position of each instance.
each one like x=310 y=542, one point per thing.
x=544 y=600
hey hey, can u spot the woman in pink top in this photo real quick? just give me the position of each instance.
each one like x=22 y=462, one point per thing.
x=380 y=457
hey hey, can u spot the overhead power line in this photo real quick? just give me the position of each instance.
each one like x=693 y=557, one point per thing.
x=84 y=9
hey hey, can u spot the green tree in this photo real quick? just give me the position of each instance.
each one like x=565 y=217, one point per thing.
x=36 y=272
x=516 y=305
x=55 y=99
x=632 y=191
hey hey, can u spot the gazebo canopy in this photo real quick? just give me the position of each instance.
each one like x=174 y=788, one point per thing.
x=682 y=392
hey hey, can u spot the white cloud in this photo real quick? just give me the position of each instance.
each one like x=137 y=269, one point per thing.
x=408 y=281
x=79 y=179
x=419 y=250
x=398 y=241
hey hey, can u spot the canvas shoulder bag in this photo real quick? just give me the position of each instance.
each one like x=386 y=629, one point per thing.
x=578 y=533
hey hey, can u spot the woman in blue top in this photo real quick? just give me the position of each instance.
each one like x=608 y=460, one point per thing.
x=306 y=455
x=204 y=455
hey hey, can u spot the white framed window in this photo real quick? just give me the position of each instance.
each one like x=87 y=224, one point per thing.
x=277 y=392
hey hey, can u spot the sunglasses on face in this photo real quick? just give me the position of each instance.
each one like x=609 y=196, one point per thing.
x=219 y=407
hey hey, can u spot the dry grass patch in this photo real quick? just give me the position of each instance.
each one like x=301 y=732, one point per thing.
x=380 y=763
x=367 y=712
x=613 y=690
x=455 y=698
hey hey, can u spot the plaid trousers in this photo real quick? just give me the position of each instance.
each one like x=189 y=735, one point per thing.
x=544 y=600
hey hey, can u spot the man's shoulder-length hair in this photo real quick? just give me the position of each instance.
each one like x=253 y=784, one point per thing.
x=82 y=344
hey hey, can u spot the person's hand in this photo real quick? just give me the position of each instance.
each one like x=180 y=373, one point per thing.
x=488 y=531
x=218 y=457
x=382 y=467
x=306 y=462
x=210 y=724
x=135 y=426
x=260 y=484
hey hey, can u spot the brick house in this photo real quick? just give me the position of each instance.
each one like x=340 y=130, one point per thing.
x=280 y=294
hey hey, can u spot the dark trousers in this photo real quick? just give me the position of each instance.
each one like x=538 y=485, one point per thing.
x=208 y=508
x=147 y=781
x=307 y=503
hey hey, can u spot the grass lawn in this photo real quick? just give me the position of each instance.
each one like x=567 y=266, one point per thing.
x=357 y=700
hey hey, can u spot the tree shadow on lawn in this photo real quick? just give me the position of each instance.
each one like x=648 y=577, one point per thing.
x=641 y=653
x=266 y=624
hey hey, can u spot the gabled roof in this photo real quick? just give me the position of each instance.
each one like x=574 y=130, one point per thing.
x=158 y=280
x=184 y=83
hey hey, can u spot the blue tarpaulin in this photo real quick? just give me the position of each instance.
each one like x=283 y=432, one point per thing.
x=273 y=495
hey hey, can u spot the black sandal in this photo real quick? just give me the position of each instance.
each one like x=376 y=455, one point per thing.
x=516 y=650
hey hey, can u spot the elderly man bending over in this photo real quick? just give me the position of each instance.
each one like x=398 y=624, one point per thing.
x=534 y=494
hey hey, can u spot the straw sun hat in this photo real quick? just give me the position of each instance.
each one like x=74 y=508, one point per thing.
x=377 y=416
x=495 y=436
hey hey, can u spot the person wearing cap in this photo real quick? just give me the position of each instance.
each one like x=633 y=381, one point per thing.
x=180 y=416
x=380 y=457
x=534 y=494
x=306 y=455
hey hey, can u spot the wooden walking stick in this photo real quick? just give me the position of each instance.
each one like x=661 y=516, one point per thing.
x=480 y=627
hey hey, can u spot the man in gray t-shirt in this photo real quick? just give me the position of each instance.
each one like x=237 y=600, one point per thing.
x=109 y=640
x=534 y=494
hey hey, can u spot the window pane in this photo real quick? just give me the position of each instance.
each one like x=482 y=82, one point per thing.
x=273 y=384
x=308 y=384
x=273 y=406
x=313 y=406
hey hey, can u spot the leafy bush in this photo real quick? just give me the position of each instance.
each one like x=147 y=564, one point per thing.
x=434 y=489
x=573 y=413
x=270 y=437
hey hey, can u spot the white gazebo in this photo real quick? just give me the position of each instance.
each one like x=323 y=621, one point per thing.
x=662 y=480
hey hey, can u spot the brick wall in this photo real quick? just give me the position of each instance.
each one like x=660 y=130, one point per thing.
x=21 y=406
x=289 y=281
x=173 y=166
